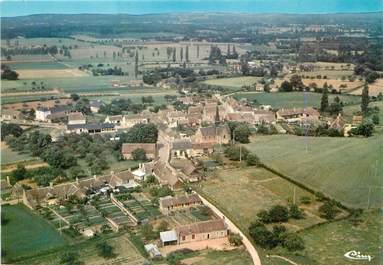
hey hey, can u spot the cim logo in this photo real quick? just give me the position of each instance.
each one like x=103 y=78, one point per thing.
x=356 y=255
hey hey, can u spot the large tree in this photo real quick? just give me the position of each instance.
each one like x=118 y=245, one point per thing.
x=10 y=129
x=142 y=133
x=324 y=100
x=365 y=99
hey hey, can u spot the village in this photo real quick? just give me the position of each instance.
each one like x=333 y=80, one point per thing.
x=249 y=147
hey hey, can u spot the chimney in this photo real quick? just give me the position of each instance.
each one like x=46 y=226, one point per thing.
x=77 y=180
x=112 y=173
x=51 y=184
x=95 y=177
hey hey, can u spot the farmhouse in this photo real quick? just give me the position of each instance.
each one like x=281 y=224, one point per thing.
x=181 y=148
x=95 y=105
x=176 y=118
x=129 y=121
x=46 y=114
x=91 y=128
x=202 y=231
x=213 y=135
x=169 y=204
x=200 y=149
x=166 y=175
x=195 y=110
x=264 y=116
x=80 y=189
x=194 y=119
x=76 y=118
x=9 y=114
x=245 y=117
x=338 y=123
x=297 y=114
x=116 y=119
x=195 y=232
x=150 y=150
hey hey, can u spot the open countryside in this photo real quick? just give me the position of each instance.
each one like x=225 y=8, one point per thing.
x=188 y=137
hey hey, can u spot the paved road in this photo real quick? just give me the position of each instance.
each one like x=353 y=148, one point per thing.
x=246 y=242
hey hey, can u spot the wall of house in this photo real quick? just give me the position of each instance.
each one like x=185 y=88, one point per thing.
x=202 y=236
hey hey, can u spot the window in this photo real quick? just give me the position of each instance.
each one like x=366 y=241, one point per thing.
x=183 y=238
x=193 y=236
x=208 y=236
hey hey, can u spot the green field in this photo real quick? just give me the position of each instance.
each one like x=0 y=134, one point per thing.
x=345 y=169
x=233 y=82
x=232 y=257
x=8 y=156
x=26 y=233
x=293 y=99
x=125 y=251
x=260 y=186
x=323 y=247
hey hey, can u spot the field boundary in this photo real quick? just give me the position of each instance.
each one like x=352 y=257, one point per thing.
x=301 y=185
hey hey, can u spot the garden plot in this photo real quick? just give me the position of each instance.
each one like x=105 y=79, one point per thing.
x=112 y=212
x=141 y=207
x=80 y=218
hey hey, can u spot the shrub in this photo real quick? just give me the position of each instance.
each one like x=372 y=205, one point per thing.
x=328 y=210
x=236 y=153
x=262 y=236
x=295 y=212
x=105 y=250
x=252 y=160
x=293 y=242
x=235 y=239
x=139 y=154
x=279 y=213
x=305 y=199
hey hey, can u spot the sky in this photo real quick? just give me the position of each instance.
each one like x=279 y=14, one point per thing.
x=27 y=7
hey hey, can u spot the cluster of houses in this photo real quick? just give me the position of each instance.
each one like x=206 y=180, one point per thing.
x=83 y=188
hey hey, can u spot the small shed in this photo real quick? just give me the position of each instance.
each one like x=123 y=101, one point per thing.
x=152 y=250
x=168 y=237
x=139 y=174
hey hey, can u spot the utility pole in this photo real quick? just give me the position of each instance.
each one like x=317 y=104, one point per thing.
x=240 y=153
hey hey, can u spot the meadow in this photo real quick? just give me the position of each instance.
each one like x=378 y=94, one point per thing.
x=230 y=188
x=8 y=156
x=323 y=247
x=126 y=252
x=25 y=233
x=293 y=99
x=346 y=169
x=211 y=257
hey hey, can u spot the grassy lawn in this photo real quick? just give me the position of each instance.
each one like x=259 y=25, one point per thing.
x=293 y=99
x=232 y=257
x=26 y=233
x=233 y=82
x=343 y=168
x=230 y=189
